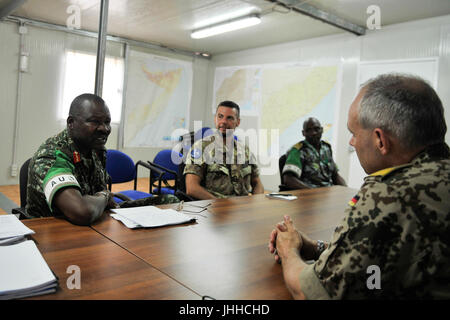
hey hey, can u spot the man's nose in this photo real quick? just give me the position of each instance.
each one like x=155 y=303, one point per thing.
x=103 y=127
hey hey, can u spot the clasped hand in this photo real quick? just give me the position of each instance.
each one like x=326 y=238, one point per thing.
x=285 y=240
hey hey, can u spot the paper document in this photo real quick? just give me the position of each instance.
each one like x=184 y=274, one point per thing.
x=24 y=272
x=150 y=216
x=12 y=229
x=129 y=223
x=12 y=240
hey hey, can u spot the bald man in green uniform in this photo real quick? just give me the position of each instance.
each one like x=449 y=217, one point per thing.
x=309 y=163
x=67 y=175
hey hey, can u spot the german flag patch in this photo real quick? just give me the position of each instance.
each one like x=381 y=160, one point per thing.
x=354 y=200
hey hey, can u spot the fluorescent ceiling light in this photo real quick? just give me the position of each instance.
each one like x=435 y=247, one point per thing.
x=230 y=25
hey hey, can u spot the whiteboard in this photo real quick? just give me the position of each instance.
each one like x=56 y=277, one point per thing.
x=424 y=68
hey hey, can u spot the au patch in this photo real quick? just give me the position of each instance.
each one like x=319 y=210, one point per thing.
x=196 y=153
x=57 y=182
x=354 y=200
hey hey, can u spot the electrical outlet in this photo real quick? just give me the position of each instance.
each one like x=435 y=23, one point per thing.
x=14 y=170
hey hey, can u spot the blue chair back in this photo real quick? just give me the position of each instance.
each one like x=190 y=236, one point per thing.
x=202 y=133
x=164 y=158
x=119 y=166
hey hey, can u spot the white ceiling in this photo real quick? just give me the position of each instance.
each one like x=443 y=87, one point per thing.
x=170 y=22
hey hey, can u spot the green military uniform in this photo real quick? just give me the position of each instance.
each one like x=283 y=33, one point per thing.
x=224 y=172
x=57 y=164
x=313 y=168
x=399 y=221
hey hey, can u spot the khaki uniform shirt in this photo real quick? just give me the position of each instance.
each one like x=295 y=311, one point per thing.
x=57 y=164
x=224 y=171
x=399 y=222
x=314 y=168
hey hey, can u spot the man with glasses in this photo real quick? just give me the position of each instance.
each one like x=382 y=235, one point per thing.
x=309 y=163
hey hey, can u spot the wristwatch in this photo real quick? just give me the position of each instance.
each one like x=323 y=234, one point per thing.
x=320 y=247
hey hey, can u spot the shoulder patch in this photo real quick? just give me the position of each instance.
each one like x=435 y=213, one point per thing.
x=196 y=153
x=354 y=200
x=298 y=145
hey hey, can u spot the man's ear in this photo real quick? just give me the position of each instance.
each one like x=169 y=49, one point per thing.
x=69 y=122
x=382 y=141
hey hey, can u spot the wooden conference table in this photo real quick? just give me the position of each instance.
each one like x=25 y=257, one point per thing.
x=223 y=254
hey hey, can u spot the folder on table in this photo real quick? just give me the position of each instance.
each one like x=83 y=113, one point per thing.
x=24 y=272
x=12 y=230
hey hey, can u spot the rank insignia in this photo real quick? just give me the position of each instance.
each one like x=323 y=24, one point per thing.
x=354 y=200
x=76 y=157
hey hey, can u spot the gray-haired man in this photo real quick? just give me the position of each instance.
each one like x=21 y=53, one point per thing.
x=398 y=222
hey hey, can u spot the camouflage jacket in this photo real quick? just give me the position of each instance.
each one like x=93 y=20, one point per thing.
x=224 y=171
x=315 y=169
x=399 y=222
x=57 y=164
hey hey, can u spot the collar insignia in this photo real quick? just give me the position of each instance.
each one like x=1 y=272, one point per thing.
x=76 y=157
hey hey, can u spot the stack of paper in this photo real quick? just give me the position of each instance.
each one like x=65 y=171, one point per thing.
x=24 y=272
x=12 y=230
x=149 y=216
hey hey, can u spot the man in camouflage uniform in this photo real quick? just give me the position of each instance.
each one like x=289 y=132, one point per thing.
x=67 y=174
x=309 y=163
x=219 y=166
x=394 y=240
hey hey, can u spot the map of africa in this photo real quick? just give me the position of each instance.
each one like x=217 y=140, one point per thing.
x=157 y=99
x=282 y=97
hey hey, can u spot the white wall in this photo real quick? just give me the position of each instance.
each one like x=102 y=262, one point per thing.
x=419 y=39
x=42 y=86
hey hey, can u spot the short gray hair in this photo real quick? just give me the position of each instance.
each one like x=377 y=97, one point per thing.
x=405 y=106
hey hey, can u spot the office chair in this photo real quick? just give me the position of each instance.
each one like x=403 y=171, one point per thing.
x=281 y=163
x=164 y=167
x=202 y=133
x=23 y=181
x=121 y=168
